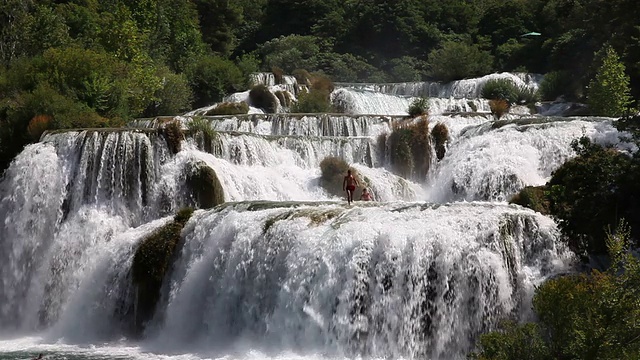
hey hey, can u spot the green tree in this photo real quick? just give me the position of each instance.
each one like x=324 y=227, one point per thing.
x=609 y=92
x=458 y=60
x=213 y=77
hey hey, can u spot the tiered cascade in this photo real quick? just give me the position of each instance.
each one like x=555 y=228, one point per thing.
x=283 y=266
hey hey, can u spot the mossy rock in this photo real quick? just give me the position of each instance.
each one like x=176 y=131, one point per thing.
x=533 y=197
x=204 y=186
x=440 y=135
x=262 y=98
x=151 y=263
x=229 y=108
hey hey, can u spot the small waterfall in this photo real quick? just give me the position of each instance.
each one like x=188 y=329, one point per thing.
x=384 y=281
x=494 y=160
x=459 y=89
x=357 y=101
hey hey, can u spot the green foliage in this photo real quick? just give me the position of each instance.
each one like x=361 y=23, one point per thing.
x=458 y=60
x=204 y=185
x=418 y=107
x=406 y=69
x=333 y=171
x=212 y=77
x=500 y=89
x=229 y=108
x=201 y=129
x=262 y=98
x=588 y=194
x=290 y=53
x=348 y=67
x=248 y=64
x=594 y=316
x=608 y=93
x=440 y=135
x=554 y=85
x=173 y=98
x=314 y=101
x=533 y=197
x=513 y=342
x=218 y=21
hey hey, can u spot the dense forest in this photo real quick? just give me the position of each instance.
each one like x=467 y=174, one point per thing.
x=90 y=63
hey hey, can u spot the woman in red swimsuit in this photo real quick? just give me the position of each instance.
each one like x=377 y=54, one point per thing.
x=349 y=185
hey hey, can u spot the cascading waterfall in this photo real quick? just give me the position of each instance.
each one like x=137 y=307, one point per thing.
x=392 y=280
x=357 y=101
x=460 y=89
x=283 y=267
x=492 y=161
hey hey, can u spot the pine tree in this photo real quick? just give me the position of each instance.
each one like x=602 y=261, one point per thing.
x=609 y=92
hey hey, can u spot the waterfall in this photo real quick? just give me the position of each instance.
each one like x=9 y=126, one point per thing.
x=396 y=280
x=459 y=89
x=284 y=267
x=494 y=160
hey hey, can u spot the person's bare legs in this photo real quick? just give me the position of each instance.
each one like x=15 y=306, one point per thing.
x=349 y=196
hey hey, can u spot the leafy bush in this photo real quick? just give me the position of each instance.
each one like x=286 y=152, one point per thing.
x=333 y=172
x=554 y=85
x=409 y=148
x=418 y=107
x=229 y=108
x=314 y=101
x=526 y=95
x=348 y=67
x=406 y=69
x=590 y=193
x=262 y=98
x=609 y=92
x=458 y=60
x=174 y=97
x=499 y=107
x=440 y=135
x=533 y=197
x=317 y=99
x=500 y=89
x=211 y=78
x=513 y=342
x=203 y=132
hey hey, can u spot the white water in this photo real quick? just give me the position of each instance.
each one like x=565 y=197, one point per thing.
x=300 y=276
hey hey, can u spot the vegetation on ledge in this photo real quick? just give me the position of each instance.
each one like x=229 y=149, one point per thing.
x=333 y=172
x=409 y=148
x=204 y=186
x=151 y=263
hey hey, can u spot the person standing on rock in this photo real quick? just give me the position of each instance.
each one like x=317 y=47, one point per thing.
x=349 y=185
